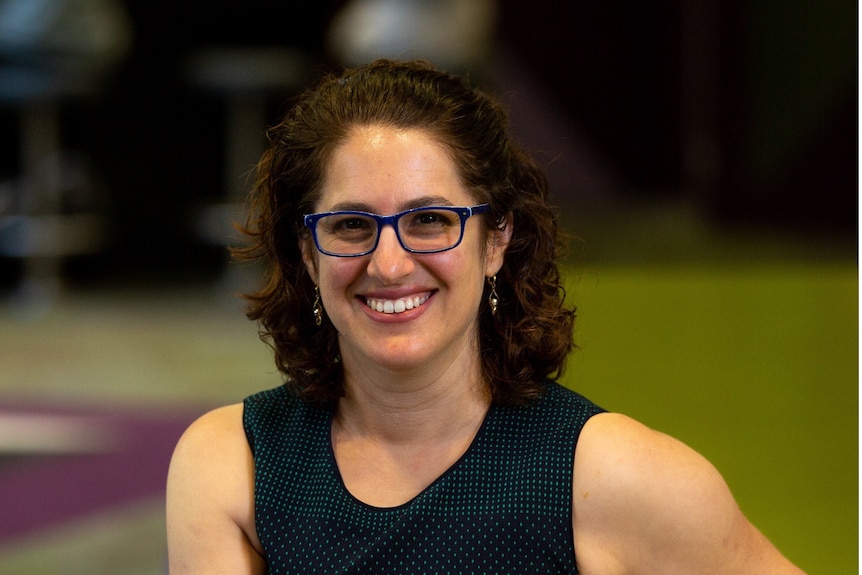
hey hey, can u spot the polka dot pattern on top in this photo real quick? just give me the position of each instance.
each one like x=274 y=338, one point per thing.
x=504 y=507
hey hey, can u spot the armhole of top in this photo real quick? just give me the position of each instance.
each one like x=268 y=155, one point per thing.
x=246 y=425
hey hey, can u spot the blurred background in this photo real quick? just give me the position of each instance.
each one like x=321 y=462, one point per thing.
x=703 y=156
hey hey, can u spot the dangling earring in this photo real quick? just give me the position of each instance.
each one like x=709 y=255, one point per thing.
x=316 y=310
x=493 y=298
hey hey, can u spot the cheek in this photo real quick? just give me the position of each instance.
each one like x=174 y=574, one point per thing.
x=335 y=274
x=462 y=270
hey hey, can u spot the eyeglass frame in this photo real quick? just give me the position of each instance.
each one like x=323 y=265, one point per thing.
x=464 y=213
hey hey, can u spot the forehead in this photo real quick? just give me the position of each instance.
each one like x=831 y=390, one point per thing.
x=386 y=167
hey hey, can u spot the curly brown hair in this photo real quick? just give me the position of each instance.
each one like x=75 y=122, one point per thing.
x=529 y=337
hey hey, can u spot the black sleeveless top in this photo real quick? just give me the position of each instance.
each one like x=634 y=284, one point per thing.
x=504 y=507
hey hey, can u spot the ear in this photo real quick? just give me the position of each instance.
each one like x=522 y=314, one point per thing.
x=496 y=246
x=309 y=257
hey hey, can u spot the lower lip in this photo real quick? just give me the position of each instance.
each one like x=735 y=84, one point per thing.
x=406 y=315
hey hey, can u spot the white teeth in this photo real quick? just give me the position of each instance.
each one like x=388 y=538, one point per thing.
x=395 y=306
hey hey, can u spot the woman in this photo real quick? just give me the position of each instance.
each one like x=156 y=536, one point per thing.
x=415 y=308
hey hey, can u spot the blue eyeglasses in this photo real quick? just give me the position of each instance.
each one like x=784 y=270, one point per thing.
x=425 y=230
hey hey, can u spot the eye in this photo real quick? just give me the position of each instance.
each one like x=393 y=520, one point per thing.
x=348 y=225
x=352 y=224
x=432 y=218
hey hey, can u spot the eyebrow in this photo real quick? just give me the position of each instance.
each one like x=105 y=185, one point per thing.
x=420 y=202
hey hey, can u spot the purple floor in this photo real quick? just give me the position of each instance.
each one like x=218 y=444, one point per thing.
x=128 y=461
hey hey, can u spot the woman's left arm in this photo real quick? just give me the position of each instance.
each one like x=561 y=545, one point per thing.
x=644 y=503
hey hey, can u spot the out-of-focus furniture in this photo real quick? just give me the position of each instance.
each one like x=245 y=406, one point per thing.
x=457 y=35
x=52 y=51
x=248 y=79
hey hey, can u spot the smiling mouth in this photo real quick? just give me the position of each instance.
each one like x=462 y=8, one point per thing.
x=395 y=305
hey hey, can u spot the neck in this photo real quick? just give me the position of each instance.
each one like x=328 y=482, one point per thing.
x=401 y=409
x=412 y=401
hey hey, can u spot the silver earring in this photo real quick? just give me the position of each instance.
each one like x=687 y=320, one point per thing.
x=316 y=310
x=493 y=298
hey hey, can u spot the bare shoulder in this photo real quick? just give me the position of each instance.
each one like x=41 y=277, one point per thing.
x=210 y=498
x=213 y=448
x=220 y=424
x=645 y=502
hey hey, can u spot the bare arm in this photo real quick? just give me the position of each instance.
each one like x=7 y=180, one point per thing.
x=210 y=499
x=645 y=503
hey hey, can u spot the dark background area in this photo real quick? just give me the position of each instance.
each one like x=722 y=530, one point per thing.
x=747 y=110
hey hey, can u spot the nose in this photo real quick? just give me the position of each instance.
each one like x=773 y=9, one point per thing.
x=390 y=261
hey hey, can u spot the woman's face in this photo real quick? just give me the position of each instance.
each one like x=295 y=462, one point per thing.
x=383 y=170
